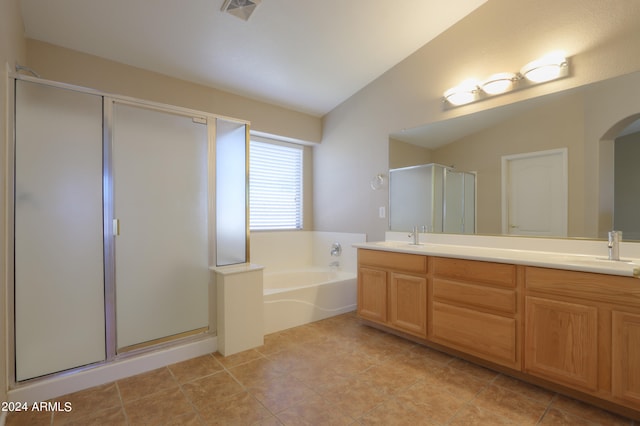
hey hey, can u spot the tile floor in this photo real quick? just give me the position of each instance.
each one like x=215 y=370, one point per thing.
x=332 y=372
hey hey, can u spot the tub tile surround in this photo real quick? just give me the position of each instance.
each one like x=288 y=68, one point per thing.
x=335 y=371
x=286 y=250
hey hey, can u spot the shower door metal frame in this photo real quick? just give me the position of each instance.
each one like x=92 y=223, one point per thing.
x=108 y=216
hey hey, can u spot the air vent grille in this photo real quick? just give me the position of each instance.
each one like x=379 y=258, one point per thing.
x=240 y=8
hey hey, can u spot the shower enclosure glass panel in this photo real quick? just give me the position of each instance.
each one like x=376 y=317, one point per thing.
x=460 y=201
x=58 y=255
x=160 y=176
x=231 y=192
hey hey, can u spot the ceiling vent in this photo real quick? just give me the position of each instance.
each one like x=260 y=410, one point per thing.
x=240 y=8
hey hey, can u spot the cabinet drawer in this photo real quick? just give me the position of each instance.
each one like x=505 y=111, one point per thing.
x=475 y=295
x=487 y=336
x=390 y=260
x=500 y=274
x=584 y=285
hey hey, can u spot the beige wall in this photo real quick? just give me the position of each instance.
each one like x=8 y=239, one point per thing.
x=403 y=154
x=69 y=66
x=12 y=52
x=73 y=67
x=600 y=37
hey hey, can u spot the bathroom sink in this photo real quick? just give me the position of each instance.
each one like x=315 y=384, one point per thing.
x=396 y=244
x=592 y=260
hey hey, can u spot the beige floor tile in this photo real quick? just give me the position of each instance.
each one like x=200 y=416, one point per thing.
x=555 y=417
x=355 y=397
x=195 y=368
x=510 y=405
x=257 y=371
x=239 y=409
x=86 y=402
x=389 y=378
x=113 y=416
x=29 y=418
x=217 y=387
x=395 y=412
x=525 y=389
x=454 y=381
x=470 y=415
x=280 y=393
x=337 y=371
x=141 y=385
x=314 y=411
x=588 y=412
x=158 y=408
x=437 y=405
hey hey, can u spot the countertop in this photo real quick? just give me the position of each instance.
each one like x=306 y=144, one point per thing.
x=567 y=261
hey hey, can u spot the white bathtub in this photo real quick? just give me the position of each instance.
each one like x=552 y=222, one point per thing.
x=300 y=296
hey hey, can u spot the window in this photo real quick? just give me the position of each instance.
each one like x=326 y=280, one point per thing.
x=275 y=185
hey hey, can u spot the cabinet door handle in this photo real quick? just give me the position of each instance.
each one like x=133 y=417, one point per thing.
x=116 y=227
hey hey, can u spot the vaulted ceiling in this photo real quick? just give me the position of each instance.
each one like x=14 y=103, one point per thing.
x=301 y=54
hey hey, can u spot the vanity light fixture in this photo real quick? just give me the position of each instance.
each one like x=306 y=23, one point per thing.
x=466 y=92
x=547 y=68
x=499 y=83
x=550 y=67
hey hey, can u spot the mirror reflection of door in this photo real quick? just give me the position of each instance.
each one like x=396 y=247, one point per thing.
x=529 y=182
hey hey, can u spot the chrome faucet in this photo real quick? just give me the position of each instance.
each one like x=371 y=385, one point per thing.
x=416 y=235
x=336 y=249
x=614 y=244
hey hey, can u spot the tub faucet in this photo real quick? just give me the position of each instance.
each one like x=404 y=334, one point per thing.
x=614 y=244
x=336 y=249
x=334 y=265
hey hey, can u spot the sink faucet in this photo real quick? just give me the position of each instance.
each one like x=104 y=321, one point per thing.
x=614 y=244
x=416 y=235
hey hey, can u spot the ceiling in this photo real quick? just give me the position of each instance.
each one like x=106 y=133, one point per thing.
x=306 y=55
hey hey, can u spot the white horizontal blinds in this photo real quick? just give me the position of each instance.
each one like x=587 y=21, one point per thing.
x=275 y=186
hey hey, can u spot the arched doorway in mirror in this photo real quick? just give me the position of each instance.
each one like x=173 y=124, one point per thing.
x=619 y=178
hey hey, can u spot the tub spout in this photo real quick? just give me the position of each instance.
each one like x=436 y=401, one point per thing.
x=334 y=265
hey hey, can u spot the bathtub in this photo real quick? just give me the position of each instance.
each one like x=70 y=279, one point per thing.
x=299 y=296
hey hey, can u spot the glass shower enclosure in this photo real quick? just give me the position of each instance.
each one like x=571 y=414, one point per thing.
x=114 y=223
x=433 y=196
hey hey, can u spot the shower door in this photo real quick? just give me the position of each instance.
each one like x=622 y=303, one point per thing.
x=58 y=232
x=160 y=197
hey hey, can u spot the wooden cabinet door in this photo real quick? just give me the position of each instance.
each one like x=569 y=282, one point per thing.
x=561 y=342
x=625 y=356
x=372 y=294
x=408 y=301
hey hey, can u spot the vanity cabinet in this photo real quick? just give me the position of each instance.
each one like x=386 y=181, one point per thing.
x=583 y=331
x=392 y=290
x=475 y=309
x=576 y=332
x=625 y=356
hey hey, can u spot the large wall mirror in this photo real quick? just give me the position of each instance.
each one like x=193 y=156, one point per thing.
x=597 y=125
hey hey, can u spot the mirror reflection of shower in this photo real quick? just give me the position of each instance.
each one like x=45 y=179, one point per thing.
x=437 y=197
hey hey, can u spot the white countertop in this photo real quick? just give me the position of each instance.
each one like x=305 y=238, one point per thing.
x=545 y=259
